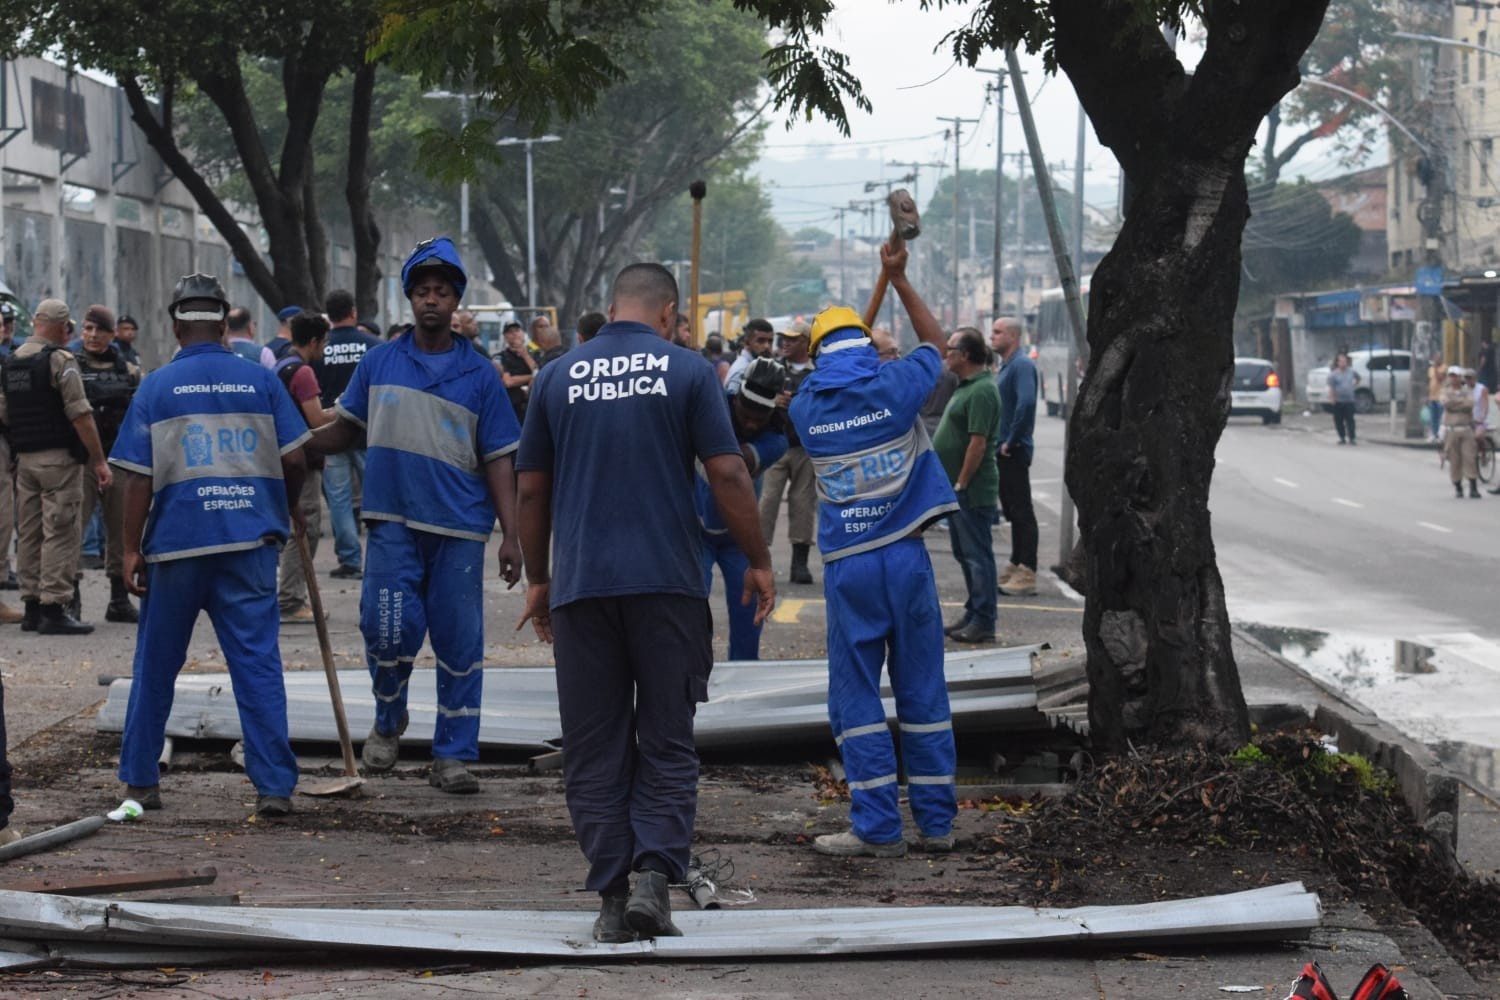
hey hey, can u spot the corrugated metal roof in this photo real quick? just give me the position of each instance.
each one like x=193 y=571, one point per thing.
x=1276 y=913
x=748 y=702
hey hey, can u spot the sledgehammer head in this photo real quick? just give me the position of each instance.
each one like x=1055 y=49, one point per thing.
x=904 y=216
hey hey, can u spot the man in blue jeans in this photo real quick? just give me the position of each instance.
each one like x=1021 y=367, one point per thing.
x=965 y=444
x=346 y=347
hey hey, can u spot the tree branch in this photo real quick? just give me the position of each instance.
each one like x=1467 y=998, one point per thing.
x=160 y=139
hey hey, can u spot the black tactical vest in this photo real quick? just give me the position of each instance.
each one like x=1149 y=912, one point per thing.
x=109 y=391
x=36 y=421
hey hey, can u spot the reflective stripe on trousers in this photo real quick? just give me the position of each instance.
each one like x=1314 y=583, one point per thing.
x=884 y=603
x=418 y=585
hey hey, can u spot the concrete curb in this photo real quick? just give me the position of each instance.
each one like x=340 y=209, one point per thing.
x=1428 y=788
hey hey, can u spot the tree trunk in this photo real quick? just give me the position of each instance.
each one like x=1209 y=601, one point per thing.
x=1155 y=397
x=159 y=137
x=317 y=237
x=357 y=194
x=492 y=244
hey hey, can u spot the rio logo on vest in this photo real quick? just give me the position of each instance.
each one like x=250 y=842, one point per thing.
x=198 y=444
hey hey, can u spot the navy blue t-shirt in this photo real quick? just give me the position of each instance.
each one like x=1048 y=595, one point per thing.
x=342 y=354
x=619 y=422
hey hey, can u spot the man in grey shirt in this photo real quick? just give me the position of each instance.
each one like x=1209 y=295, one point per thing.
x=1341 y=382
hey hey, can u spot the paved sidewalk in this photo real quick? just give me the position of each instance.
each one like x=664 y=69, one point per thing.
x=406 y=845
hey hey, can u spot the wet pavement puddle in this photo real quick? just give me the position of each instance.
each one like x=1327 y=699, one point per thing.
x=1443 y=690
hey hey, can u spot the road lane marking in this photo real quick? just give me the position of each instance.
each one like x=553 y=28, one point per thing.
x=1348 y=503
x=787 y=610
x=1285 y=482
x=1436 y=527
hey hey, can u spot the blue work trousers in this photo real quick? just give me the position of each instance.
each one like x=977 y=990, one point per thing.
x=744 y=634
x=969 y=529
x=631 y=671
x=419 y=584
x=338 y=489
x=238 y=590
x=883 y=607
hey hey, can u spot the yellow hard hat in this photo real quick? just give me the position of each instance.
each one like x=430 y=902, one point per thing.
x=832 y=320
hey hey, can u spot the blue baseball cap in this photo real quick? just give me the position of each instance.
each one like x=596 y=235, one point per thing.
x=438 y=252
x=287 y=312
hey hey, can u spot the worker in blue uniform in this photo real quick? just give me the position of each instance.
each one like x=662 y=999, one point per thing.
x=209 y=450
x=879 y=484
x=762 y=438
x=613 y=432
x=438 y=472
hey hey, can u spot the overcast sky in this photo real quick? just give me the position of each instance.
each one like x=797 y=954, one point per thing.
x=896 y=49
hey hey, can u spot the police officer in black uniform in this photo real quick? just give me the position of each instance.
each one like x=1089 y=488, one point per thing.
x=109 y=382
x=52 y=432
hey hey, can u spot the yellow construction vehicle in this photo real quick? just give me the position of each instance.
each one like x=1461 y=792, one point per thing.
x=724 y=313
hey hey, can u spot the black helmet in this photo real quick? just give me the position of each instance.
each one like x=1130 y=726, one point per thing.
x=764 y=380
x=198 y=288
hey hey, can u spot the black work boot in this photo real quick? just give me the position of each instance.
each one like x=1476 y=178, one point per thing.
x=75 y=606
x=649 y=912
x=120 y=609
x=800 y=572
x=1473 y=489
x=1458 y=490
x=610 y=926
x=55 y=620
x=32 y=616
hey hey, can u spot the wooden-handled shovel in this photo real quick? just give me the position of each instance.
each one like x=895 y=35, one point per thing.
x=351 y=781
x=906 y=224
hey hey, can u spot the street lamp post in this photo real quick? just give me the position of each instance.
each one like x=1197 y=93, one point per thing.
x=463 y=188
x=528 y=142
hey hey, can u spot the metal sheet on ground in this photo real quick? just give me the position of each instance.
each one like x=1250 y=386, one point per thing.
x=1277 y=912
x=989 y=689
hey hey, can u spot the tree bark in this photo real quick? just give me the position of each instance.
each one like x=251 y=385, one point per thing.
x=1155 y=398
x=357 y=195
x=159 y=137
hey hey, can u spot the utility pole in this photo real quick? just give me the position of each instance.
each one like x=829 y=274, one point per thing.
x=1078 y=166
x=528 y=142
x=958 y=128
x=1020 y=158
x=1064 y=270
x=843 y=275
x=997 y=299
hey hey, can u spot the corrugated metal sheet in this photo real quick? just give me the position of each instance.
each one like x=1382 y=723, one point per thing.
x=1277 y=912
x=991 y=690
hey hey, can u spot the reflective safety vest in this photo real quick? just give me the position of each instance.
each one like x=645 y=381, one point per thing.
x=36 y=418
x=210 y=431
x=433 y=423
x=878 y=479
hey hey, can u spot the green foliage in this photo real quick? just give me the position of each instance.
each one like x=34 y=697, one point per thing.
x=1354 y=50
x=686 y=108
x=739 y=236
x=810 y=78
x=1293 y=240
x=532 y=61
x=1249 y=754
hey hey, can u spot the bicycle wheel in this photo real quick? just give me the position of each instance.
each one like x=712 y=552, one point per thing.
x=1486 y=459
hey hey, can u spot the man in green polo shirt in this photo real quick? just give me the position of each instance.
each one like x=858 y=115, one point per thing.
x=965 y=443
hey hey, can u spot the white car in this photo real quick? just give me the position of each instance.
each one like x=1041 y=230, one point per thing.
x=1381 y=373
x=1256 y=390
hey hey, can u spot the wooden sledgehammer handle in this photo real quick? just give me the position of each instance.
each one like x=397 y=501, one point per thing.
x=906 y=224
x=325 y=647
